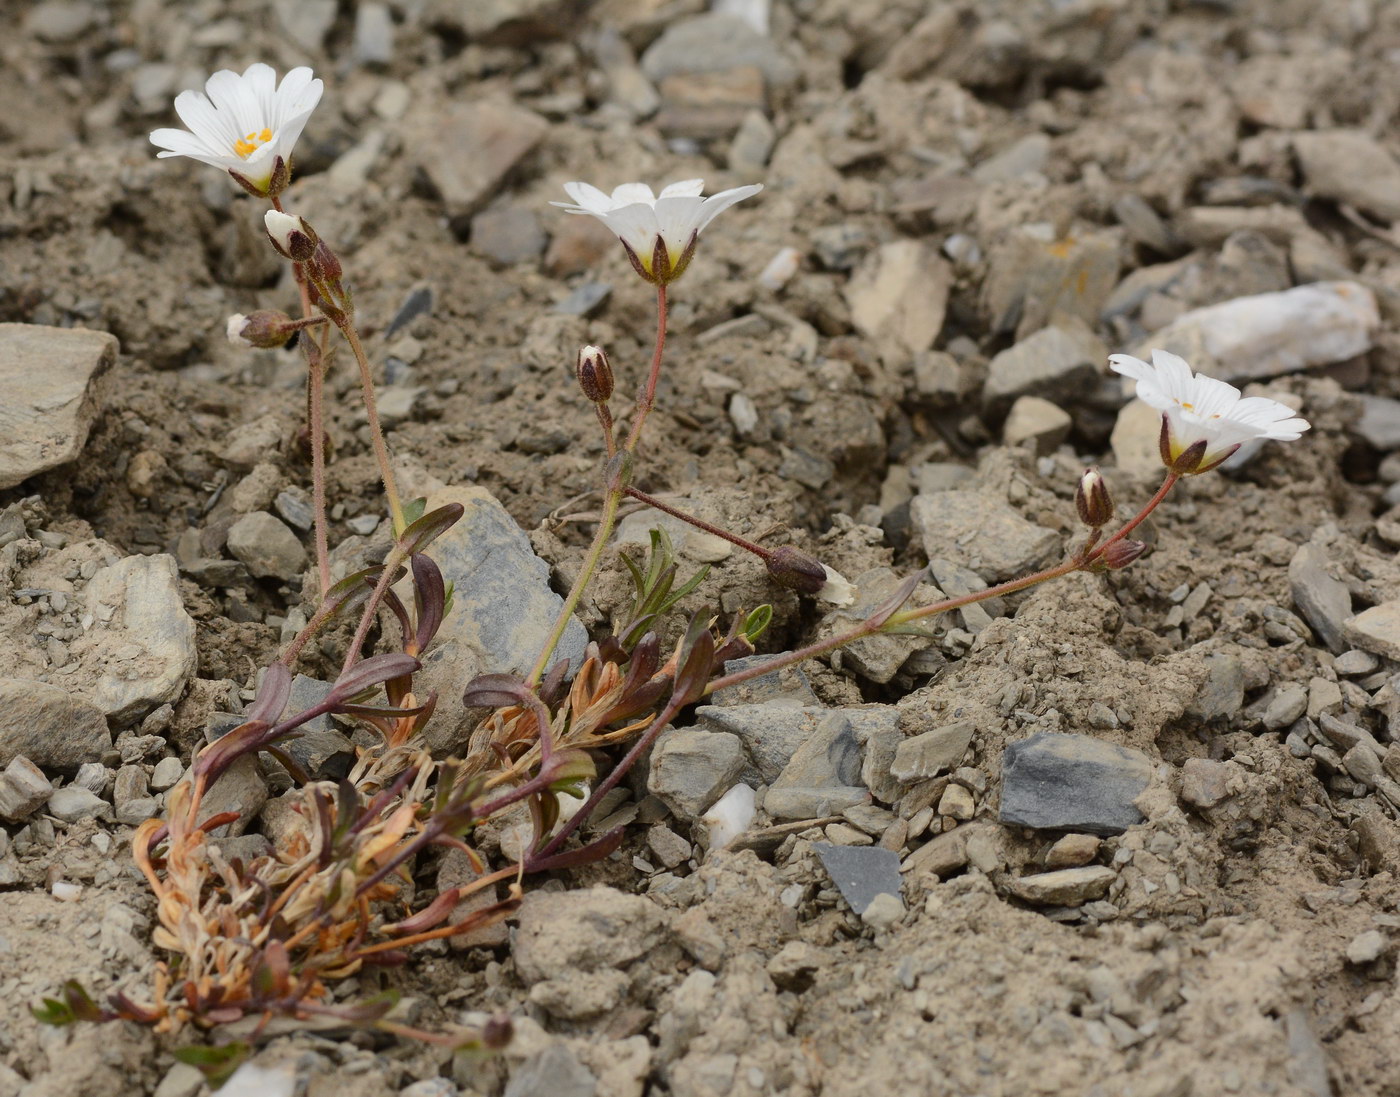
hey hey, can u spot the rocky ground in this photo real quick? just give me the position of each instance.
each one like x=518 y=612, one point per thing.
x=1121 y=835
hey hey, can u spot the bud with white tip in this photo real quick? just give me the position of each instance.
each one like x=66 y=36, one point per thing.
x=595 y=374
x=264 y=328
x=290 y=235
x=1092 y=500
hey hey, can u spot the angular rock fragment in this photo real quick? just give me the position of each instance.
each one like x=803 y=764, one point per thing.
x=1267 y=334
x=1351 y=167
x=983 y=533
x=691 y=769
x=1072 y=782
x=1059 y=361
x=1066 y=887
x=898 y=295
x=469 y=148
x=823 y=775
x=49 y=726
x=50 y=393
x=860 y=872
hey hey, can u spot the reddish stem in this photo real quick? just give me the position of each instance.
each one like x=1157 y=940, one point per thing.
x=733 y=538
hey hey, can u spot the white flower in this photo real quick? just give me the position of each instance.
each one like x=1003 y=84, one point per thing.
x=1203 y=420
x=837 y=589
x=729 y=817
x=245 y=124
x=659 y=231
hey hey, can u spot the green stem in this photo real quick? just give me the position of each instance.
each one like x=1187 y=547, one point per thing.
x=381 y=450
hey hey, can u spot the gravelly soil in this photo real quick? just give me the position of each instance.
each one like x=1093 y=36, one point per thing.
x=1219 y=960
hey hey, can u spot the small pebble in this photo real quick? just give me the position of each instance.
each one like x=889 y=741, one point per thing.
x=884 y=912
x=1366 y=947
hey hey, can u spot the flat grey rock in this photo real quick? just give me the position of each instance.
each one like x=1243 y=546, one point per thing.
x=1072 y=782
x=1352 y=167
x=823 y=775
x=1055 y=362
x=50 y=393
x=140 y=651
x=692 y=768
x=927 y=755
x=770 y=732
x=266 y=546
x=983 y=533
x=1066 y=887
x=502 y=612
x=1322 y=598
x=860 y=872
x=50 y=726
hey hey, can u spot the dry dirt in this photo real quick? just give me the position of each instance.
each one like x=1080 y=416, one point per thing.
x=1218 y=963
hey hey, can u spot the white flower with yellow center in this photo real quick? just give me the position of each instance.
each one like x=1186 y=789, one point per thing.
x=659 y=231
x=1203 y=420
x=245 y=124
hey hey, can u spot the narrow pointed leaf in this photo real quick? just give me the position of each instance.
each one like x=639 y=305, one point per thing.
x=371 y=672
x=273 y=693
x=496 y=691
x=430 y=527
x=429 y=599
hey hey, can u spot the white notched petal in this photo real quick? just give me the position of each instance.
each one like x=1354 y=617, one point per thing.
x=588 y=198
x=718 y=203
x=837 y=589
x=1202 y=409
x=686 y=188
x=625 y=194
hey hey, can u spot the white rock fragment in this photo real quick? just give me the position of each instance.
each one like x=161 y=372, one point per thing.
x=729 y=817
x=65 y=891
x=780 y=269
x=1267 y=334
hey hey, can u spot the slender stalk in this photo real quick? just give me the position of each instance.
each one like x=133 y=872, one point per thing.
x=866 y=628
x=646 y=396
x=386 y=578
x=605 y=421
x=381 y=450
x=733 y=538
x=315 y=399
x=615 y=489
x=590 y=564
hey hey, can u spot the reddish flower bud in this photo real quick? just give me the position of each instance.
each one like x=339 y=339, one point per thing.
x=595 y=375
x=1122 y=553
x=1092 y=499
x=263 y=328
x=796 y=570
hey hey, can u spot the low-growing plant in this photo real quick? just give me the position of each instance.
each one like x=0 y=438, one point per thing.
x=245 y=941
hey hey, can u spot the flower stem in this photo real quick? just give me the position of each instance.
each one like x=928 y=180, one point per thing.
x=381 y=450
x=866 y=628
x=646 y=396
x=615 y=489
x=315 y=401
x=733 y=538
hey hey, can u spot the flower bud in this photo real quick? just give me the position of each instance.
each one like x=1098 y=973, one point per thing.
x=595 y=375
x=263 y=328
x=325 y=266
x=796 y=570
x=1120 y=554
x=1092 y=500
x=290 y=235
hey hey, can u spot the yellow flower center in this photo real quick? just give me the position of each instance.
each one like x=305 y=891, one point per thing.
x=250 y=144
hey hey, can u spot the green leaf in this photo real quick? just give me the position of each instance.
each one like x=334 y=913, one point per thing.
x=217 y=1064
x=413 y=510
x=757 y=622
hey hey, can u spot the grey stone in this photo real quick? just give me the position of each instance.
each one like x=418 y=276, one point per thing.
x=691 y=769
x=140 y=651
x=898 y=295
x=582 y=931
x=295 y=508
x=72 y=803
x=715 y=42
x=1222 y=693
x=1205 y=783
x=374 y=34
x=1289 y=702
x=468 y=148
x=266 y=547
x=553 y=1072
x=1351 y=167
x=1134 y=439
x=241 y=789
x=1061 y=361
x=1072 y=851
x=1366 y=947
x=1066 y=887
x=933 y=752
x=507 y=235
x=823 y=772
x=1355 y=663
x=23 y=790
x=51 y=388
x=1378 y=841
x=1322 y=598
x=790 y=685
x=860 y=872
x=1072 y=782
x=167 y=773
x=59 y=20
x=1032 y=276
x=668 y=846
x=1379 y=422
x=880 y=656
x=1267 y=334
x=1037 y=423
x=944 y=856
x=50 y=726
x=306 y=22
x=502 y=613
x=585 y=299
x=983 y=533
x=770 y=732
x=321 y=750
x=1376 y=629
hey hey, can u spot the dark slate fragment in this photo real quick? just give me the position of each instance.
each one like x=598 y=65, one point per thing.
x=861 y=872
x=1072 y=782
